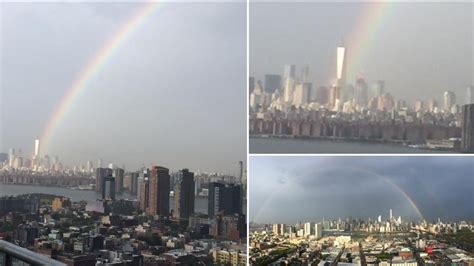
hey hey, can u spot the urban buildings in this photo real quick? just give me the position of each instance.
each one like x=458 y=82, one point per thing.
x=184 y=195
x=341 y=67
x=289 y=72
x=361 y=210
x=59 y=203
x=158 y=191
x=225 y=198
x=355 y=113
x=449 y=100
x=357 y=242
x=470 y=94
x=272 y=83
x=467 y=144
x=108 y=187
x=100 y=173
x=131 y=231
x=134 y=183
x=118 y=173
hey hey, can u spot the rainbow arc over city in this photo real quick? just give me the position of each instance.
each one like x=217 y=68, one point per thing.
x=362 y=38
x=94 y=66
x=365 y=33
x=327 y=170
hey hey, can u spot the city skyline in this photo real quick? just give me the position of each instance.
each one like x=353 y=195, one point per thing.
x=16 y=159
x=415 y=188
x=366 y=30
x=143 y=105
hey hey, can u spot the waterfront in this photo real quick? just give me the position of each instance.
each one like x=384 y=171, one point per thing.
x=78 y=195
x=292 y=145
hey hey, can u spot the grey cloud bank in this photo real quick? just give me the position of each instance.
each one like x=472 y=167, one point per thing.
x=295 y=188
x=173 y=93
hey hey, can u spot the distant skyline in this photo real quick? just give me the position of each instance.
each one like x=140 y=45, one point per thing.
x=288 y=189
x=420 y=50
x=172 y=94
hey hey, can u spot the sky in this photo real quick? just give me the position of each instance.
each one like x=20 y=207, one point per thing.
x=289 y=189
x=172 y=94
x=419 y=49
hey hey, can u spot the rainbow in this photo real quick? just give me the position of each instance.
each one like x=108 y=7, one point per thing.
x=364 y=35
x=386 y=179
x=93 y=68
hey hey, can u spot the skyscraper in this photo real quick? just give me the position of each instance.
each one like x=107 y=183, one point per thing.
x=289 y=72
x=276 y=229
x=37 y=146
x=89 y=167
x=322 y=95
x=301 y=94
x=3 y=157
x=143 y=190
x=118 y=174
x=470 y=94
x=318 y=230
x=241 y=171
x=305 y=74
x=100 y=173
x=108 y=188
x=334 y=95
x=341 y=66
x=272 y=83
x=378 y=88
x=449 y=100
x=432 y=104
x=133 y=183
x=467 y=128
x=11 y=156
x=308 y=229
x=226 y=198
x=184 y=195
x=288 y=90
x=159 y=191
x=361 y=92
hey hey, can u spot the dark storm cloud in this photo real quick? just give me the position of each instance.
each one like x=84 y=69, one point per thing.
x=173 y=93
x=316 y=187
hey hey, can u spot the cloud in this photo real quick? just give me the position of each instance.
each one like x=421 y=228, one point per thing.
x=361 y=186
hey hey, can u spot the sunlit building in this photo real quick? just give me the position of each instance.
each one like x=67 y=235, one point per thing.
x=301 y=94
x=289 y=71
x=341 y=66
x=158 y=191
x=449 y=100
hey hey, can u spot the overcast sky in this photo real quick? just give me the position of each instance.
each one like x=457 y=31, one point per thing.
x=173 y=94
x=419 y=49
x=292 y=189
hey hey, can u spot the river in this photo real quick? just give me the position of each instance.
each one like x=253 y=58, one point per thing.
x=200 y=203
x=291 y=145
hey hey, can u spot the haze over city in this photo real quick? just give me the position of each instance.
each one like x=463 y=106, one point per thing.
x=420 y=50
x=171 y=93
x=294 y=188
